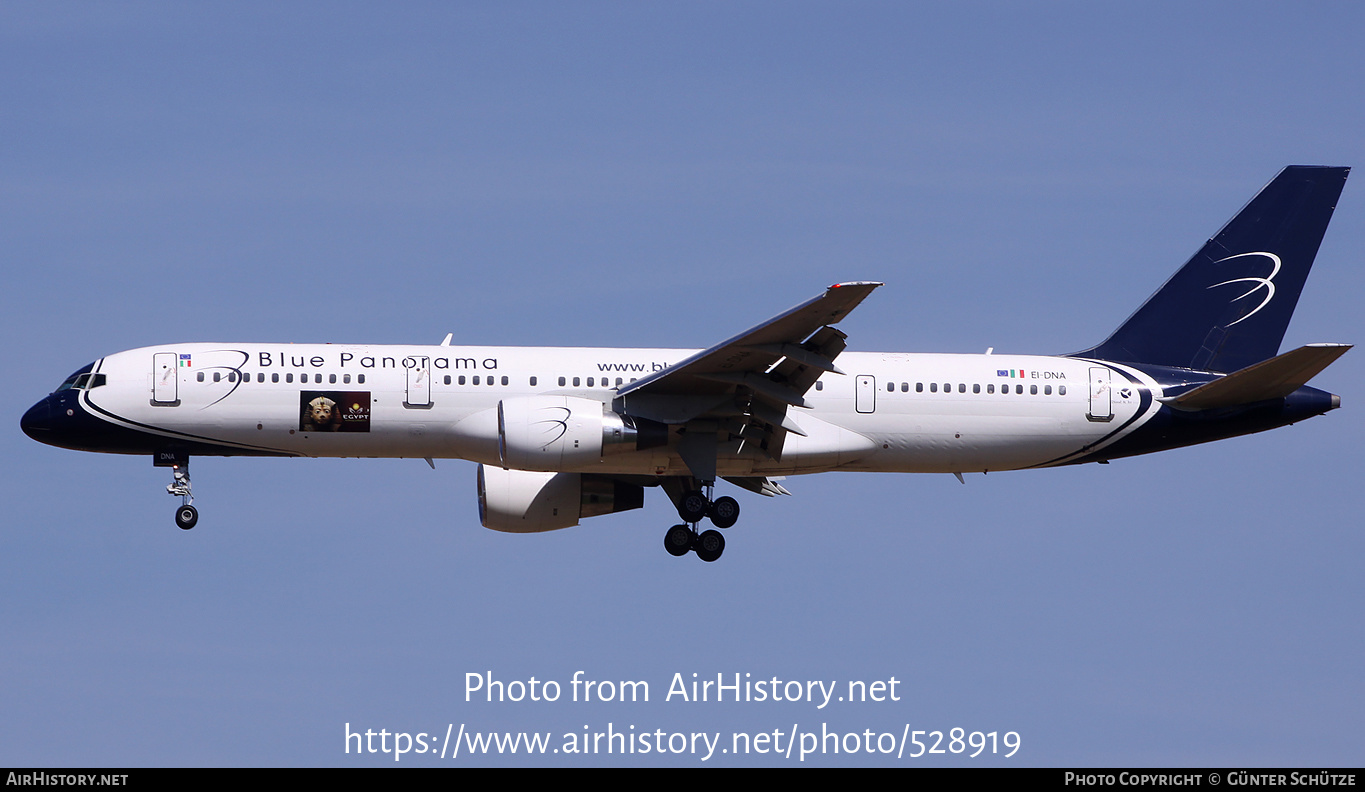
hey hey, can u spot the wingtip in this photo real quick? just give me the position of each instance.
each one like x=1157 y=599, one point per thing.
x=846 y=284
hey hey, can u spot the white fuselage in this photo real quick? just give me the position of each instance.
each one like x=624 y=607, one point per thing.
x=890 y=412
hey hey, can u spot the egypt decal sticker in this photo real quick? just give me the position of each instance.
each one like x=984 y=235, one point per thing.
x=334 y=411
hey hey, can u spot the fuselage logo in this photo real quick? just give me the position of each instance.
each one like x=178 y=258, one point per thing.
x=1267 y=283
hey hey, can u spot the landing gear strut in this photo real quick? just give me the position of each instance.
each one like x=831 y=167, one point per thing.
x=185 y=515
x=694 y=506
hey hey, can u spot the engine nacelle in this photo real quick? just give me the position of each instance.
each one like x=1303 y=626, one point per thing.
x=549 y=433
x=524 y=501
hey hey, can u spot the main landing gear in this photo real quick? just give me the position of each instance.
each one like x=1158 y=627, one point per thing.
x=185 y=515
x=695 y=506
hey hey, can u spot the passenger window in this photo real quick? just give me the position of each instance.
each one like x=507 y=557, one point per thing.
x=447 y=379
x=976 y=387
x=1047 y=390
x=1019 y=390
x=1061 y=390
x=1033 y=390
x=346 y=379
x=919 y=387
x=360 y=378
x=890 y=387
x=819 y=385
x=476 y=379
x=561 y=382
x=905 y=387
x=990 y=389
x=200 y=376
x=575 y=382
x=289 y=377
x=962 y=387
x=274 y=376
x=533 y=382
x=331 y=379
x=461 y=380
x=504 y=380
x=260 y=376
x=618 y=382
x=589 y=382
x=933 y=387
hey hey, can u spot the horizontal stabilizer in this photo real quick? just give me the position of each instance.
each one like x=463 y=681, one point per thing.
x=1275 y=378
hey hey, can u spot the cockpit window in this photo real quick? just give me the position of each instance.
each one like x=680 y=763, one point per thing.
x=81 y=379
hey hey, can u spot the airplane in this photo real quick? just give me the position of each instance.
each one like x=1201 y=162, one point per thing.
x=563 y=434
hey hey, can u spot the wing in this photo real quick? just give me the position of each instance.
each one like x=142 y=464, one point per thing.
x=739 y=390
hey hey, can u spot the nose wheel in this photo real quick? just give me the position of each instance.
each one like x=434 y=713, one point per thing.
x=186 y=517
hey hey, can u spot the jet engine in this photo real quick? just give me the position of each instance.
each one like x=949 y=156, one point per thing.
x=524 y=501
x=556 y=432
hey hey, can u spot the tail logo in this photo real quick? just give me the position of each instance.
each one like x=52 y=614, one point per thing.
x=1266 y=283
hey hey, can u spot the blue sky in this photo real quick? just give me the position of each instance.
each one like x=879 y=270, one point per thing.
x=596 y=174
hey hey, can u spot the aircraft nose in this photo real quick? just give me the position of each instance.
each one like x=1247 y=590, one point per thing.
x=37 y=422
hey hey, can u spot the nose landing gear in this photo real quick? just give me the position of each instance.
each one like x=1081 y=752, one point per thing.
x=186 y=516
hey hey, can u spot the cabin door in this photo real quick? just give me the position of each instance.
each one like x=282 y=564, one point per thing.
x=1101 y=402
x=165 y=378
x=419 y=382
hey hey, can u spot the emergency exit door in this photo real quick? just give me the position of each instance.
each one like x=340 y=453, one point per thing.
x=865 y=393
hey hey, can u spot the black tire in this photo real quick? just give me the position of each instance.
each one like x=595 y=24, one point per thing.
x=725 y=512
x=678 y=540
x=710 y=545
x=186 y=517
x=692 y=507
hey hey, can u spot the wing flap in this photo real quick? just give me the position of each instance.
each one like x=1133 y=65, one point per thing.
x=763 y=486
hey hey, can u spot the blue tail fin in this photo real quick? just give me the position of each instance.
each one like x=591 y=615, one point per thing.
x=1230 y=305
